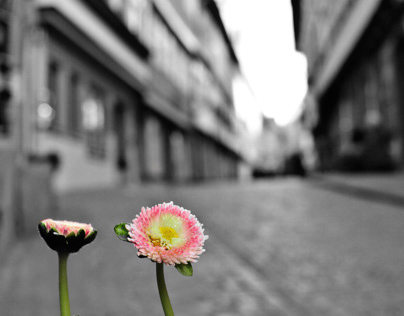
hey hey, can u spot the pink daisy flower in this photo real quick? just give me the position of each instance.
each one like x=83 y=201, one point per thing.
x=66 y=236
x=65 y=228
x=167 y=233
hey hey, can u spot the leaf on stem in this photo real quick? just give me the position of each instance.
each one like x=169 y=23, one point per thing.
x=184 y=269
x=122 y=232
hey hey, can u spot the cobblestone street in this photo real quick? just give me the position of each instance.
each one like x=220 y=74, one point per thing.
x=280 y=247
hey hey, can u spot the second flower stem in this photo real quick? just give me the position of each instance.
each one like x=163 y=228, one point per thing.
x=161 y=284
x=63 y=287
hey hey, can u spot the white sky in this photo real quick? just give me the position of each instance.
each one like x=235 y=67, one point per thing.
x=265 y=47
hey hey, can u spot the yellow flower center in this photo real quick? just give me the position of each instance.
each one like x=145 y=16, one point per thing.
x=164 y=238
x=167 y=232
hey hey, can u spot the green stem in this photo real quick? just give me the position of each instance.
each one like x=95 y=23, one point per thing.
x=63 y=287
x=161 y=284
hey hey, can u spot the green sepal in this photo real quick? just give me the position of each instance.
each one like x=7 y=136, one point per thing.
x=90 y=237
x=52 y=238
x=70 y=244
x=185 y=269
x=122 y=232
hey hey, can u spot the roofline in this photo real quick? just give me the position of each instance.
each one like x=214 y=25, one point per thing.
x=214 y=11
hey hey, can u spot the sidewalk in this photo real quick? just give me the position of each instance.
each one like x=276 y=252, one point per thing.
x=386 y=187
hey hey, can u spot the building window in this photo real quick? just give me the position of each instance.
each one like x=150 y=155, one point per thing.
x=154 y=151
x=178 y=153
x=93 y=120
x=5 y=96
x=73 y=111
x=118 y=6
x=54 y=93
x=3 y=37
x=135 y=15
x=192 y=7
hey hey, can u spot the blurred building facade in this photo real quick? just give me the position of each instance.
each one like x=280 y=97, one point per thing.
x=270 y=150
x=355 y=57
x=284 y=150
x=102 y=92
x=123 y=90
